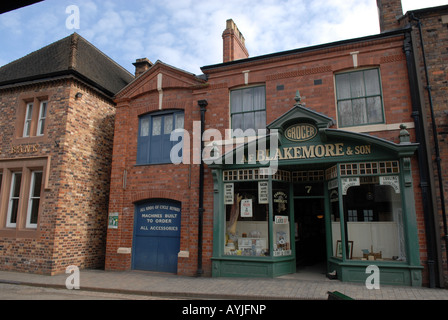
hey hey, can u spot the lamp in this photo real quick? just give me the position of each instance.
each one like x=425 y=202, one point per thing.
x=78 y=95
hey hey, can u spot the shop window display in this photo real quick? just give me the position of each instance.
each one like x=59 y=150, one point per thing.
x=373 y=220
x=247 y=231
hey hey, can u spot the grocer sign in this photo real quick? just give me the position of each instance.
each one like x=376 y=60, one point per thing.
x=300 y=132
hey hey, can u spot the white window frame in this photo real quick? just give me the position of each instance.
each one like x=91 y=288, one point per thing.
x=11 y=198
x=42 y=118
x=31 y=199
x=28 y=119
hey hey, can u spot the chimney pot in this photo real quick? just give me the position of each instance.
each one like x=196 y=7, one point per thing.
x=141 y=65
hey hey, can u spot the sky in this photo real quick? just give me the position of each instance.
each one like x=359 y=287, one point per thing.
x=187 y=34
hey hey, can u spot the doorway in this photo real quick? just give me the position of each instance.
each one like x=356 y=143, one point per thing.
x=310 y=235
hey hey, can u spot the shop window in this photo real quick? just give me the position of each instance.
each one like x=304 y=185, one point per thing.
x=34 y=199
x=373 y=220
x=14 y=198
x=248 y=108
x=154 y=145
x=247 y=216
x=359 y=98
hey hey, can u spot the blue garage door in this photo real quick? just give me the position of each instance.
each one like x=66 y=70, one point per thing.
x=156 y=236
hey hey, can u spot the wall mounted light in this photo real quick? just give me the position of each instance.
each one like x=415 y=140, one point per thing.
x=78 y=95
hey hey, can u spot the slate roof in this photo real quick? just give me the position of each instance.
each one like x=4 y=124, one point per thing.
x=72 y=55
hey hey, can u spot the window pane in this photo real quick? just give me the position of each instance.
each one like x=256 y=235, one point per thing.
x=179 y=121
x=37 y=184
x=168 y=124
x=237 y=121
x=248 y=100
x=378 y=232
x=16 y=186
x=259 y=98
x=249 y=120
x=260 y=120
x=236 y=101
x=156 y=126
x=144 y=127
x=374 y=110
x=246 y=223
x=372 y=82
x=34 y=210
x=343 y=86
x=14 y=209
x=357 y=85
x=28 y=116
x=345 y=113
x=359 y=111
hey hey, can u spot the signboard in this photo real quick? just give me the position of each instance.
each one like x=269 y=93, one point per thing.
x=300 y=132
x=228 y=193
x=113 y=220
x=281 y=220
x=158 y=219
x=263 y=192
x=392 y=181
x=349 y=182
x=246 y=208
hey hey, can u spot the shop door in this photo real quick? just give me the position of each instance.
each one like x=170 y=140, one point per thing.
x=157 y=236
x=310 y=231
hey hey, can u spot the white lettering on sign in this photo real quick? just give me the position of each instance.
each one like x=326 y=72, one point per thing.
x=349 y=182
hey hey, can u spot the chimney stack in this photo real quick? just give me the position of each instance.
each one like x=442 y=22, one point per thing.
x=233 y=43
x=141 y=65
x=389 y=12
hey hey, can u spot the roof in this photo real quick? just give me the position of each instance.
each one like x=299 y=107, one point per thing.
x=206 y=69
x=72 y=55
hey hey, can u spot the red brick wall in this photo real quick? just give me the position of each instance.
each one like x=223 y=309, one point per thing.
x=76 y=151
x=435 y=36
x=282 y=76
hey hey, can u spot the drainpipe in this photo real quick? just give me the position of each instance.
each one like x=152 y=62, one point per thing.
x=434 y=131
x=202 y=105
x=423 y=166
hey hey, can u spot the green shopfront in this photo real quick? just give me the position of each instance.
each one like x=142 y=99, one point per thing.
x=341 y=199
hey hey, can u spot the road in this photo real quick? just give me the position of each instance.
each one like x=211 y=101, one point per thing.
x=23 y=292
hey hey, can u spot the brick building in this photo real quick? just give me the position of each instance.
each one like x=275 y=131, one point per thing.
x=427 y=55
x=346 y=191
x=430 y=36
x=57 y=120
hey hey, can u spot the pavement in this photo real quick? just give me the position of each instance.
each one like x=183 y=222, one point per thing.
x=299 y=286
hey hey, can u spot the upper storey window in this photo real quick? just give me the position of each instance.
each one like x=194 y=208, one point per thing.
x=34 y=120
x=248 y=108
x=359 y=98
x=154 y=145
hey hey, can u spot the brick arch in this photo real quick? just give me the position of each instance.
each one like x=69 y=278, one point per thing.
x=155 y=194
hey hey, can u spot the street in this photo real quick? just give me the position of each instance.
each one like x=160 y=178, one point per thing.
x=23 y=292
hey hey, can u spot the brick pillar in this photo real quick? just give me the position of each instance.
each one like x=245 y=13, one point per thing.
x=233 y=43
x=389 y=11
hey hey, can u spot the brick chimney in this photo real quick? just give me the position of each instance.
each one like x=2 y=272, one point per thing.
x=233 y=43
x=141 y=65
x=389 y=11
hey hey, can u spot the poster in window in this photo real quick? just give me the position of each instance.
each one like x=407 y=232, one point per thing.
x=228 y=193
x=263 y=192
x=246 y=208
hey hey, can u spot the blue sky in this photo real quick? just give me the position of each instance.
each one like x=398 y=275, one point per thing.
x=187 y=33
